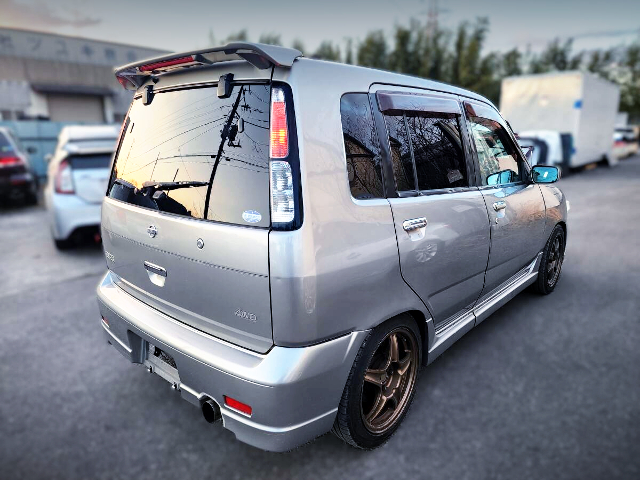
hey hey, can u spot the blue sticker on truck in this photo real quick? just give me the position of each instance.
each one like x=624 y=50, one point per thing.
x=251 y=216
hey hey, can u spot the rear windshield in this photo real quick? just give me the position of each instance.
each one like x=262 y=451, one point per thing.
x=79 y=162
x=191 y=153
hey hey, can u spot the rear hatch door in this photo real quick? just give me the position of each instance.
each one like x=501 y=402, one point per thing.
x=186 y=221
x=90 y=174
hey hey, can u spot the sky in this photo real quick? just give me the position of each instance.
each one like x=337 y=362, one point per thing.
x=186 y=24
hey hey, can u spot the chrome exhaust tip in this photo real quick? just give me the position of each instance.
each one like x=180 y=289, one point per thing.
x=211 y=411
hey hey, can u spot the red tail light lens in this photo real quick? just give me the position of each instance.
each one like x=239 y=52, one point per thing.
x=279 y=144
x=64 y=181
x=236 y=405
x=166 y=63
x=10 y=161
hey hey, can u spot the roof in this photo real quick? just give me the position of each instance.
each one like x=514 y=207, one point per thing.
x=260 y=55
x=91 y=148
x=83 y=133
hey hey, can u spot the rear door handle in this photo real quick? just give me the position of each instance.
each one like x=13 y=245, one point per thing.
x=499 y=206
x=155 y=269
x=414 y=224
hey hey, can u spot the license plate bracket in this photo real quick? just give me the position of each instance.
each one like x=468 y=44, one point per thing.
x=161 y=363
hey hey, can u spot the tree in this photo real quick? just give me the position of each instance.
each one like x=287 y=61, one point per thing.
x=433 y=53
x=298 y=45
x=348 y=59
x=404 y=58
x=556 y=57
x=327 y=51
x=239 y=36
x=372 y=52
x=270 y=39
x=511 y=63
x=630 y=89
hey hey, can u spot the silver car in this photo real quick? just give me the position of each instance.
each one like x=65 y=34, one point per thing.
x=77 y=178
x=289 y=240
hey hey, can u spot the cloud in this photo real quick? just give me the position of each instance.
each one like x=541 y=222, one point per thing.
x=38 y=15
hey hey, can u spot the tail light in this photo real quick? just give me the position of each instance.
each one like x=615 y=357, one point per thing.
x=10 y=161
x=282 y=197
x=279 y=146
x=63 y=180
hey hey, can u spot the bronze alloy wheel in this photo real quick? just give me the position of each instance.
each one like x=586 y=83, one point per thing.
x=389 y=380
x=554 y=261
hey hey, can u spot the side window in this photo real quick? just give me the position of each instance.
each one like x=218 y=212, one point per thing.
x=437 y=150
x=400 y=153
x=497 y=155
x=364 y=163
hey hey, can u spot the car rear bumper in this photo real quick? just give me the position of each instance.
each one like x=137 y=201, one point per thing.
x=16 y=183
x=294 y=392
x=69 y=213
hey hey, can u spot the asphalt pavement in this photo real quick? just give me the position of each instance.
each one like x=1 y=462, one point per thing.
x=547 y=388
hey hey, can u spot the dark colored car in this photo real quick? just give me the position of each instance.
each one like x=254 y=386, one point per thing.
x=17 y=178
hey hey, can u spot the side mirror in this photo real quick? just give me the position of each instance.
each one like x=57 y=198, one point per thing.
x=545 y=174
x=31 y=150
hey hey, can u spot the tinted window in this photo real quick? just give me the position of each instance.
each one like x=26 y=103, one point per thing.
x=5 y=145
x=187 y=143
x=497 y=154
x=437 y=151
x=361 y=147
x=90 y=161
x=400 y=153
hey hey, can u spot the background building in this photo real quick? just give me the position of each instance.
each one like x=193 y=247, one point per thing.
x=63 y=79
x=48 y=81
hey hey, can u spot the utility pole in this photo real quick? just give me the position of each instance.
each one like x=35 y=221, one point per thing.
x=432 y=18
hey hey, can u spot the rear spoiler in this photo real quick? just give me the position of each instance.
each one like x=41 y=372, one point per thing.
x=260 y=55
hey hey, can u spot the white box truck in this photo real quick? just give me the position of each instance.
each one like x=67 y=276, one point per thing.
x=579 y=103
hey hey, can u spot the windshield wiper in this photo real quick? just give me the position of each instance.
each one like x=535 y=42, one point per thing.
x=166 y=186
x=152 y=187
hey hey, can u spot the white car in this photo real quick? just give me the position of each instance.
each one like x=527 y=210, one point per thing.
x=77 y=180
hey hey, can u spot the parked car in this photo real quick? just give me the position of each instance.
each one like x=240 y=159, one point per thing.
x=78 y=174
x=18 y=181
x=625 y=141
x=288 y=240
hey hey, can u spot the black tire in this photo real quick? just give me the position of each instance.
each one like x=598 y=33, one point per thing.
x=551 y=262
x=63 y=244
x=350 y=424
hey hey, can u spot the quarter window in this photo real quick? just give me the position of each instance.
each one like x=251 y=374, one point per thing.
x=364 y=163
x=497 y=155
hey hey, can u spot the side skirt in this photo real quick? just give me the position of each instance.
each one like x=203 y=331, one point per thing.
x=452 y=331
